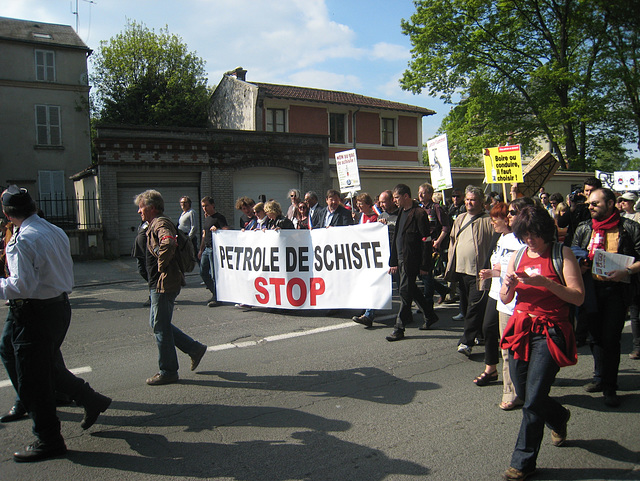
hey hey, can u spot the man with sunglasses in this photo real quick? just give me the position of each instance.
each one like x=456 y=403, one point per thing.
x=609 y=231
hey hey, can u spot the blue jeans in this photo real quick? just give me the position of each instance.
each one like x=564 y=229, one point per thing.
x=532 y=380
x=206 y=270
x=168 y=337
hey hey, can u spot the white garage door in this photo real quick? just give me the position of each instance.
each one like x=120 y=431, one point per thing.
x=129 y=219
x=270 y=182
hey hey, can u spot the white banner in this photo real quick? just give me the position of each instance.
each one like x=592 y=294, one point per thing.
x=625 y=180
x=332 y=268
x=347 y=170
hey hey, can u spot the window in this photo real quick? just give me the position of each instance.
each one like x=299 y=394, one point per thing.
x=275 y=120
x=45 y=66
x=336 y=128
x=388 y=132
x=48 y=125
x=51 y=192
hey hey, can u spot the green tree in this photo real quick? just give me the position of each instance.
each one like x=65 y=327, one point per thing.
x=146 y=78
x=527 y=70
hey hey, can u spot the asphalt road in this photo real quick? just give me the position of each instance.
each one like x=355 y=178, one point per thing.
x=306 y=395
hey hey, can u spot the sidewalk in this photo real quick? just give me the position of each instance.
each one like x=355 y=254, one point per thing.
x=101 y=272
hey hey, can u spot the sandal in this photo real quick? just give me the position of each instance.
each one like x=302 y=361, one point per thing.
x=509 y=405
x=486 y=378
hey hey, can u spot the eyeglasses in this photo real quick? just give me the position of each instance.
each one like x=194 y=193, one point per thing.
x=292 y=195
x=456 y=196
x=513 y=212
x=593 y=203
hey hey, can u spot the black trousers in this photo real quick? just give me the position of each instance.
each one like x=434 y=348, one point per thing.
x=30 y=351
x=409 y=292
x=472 y=303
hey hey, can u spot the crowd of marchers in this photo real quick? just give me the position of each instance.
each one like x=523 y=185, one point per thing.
x=521 y=269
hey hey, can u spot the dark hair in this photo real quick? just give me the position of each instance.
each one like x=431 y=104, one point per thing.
x=499 y=209
x=557 y=197
x=402 y=189
x=534 y=221
x=21 y=211
x=244 y=201
x=209 y=200
x=521 y=202
x=593 y=182
x=187 y=199
x=608 y=194
x=332 y=192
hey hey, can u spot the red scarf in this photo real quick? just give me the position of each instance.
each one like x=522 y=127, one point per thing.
x=599 y=229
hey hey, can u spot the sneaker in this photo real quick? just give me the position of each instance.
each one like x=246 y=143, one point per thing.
x=458 y=317
x=593 y=387
x=513 y=474
x=559 y=437
x=213 y=303
x=635 y=355
x=429 y=322
x=161 y=379
x=364 y=320
x=464 y=349
x=197 y=357
x=242 y=306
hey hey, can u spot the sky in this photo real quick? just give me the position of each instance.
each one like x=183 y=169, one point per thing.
x=348 y=45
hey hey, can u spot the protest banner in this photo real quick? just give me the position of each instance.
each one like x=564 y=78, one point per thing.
x=503 y=165
x=333 y=268
x=347 y=170
x=625 y=180
x=439 y=164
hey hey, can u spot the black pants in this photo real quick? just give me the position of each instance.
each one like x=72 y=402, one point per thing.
x=491 y=332
x=30 y=351
x=409 y=292
x=472 y=303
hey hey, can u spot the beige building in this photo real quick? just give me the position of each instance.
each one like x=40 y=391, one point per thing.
x=44 y=120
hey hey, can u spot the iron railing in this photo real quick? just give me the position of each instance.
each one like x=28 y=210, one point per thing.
x=71 y=213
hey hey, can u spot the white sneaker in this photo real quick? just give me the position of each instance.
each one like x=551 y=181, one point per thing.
x=464 y=349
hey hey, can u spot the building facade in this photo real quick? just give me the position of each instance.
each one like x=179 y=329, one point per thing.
x=44 y=120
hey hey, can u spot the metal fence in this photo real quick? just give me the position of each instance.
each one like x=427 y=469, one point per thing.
x=71 y=213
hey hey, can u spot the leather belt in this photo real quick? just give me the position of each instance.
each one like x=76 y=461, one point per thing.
x=38 y=302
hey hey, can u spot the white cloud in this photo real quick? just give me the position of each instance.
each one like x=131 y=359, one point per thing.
x=391 y=52
x=324 y=80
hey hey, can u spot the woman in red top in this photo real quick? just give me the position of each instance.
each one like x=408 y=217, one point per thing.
x=539 y=335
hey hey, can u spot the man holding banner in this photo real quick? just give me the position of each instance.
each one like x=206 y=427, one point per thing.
x=410 y=256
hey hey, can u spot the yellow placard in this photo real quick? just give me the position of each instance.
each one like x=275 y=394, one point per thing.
x=503 y=165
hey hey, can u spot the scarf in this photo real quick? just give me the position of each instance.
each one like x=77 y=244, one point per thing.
x=599 y=229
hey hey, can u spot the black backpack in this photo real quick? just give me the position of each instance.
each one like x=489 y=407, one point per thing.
x=185 y=253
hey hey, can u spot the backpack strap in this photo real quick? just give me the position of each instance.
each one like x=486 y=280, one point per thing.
x=557 y=258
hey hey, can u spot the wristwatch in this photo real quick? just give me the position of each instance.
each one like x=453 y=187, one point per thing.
x=629 y=271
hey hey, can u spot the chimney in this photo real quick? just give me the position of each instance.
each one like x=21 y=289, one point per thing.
x=239 y=73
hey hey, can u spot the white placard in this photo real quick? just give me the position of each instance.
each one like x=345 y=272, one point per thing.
x=439 y=164
x=332 y=268
x=347 y=169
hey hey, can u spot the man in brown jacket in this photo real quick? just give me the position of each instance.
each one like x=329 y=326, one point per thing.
x=165 y=281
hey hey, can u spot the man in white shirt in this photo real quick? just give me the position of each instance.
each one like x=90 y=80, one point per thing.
x=40 y=280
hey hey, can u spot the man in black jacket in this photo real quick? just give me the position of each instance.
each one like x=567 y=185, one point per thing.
x=410 y=256
x=335 y=213
x=608 y=231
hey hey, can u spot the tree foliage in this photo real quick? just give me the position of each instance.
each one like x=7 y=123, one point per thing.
x=529 y=71
x=146 y=78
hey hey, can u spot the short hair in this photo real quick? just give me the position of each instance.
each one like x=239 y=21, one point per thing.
x=312 y=194
x=608 y=194
x=186 y=198
x=557 y=197
x=259 y=207
x=388 y=192
x=208 y=199
x=150 y=198
x=495 y=195
x=244 y=201
x=534 y=221
x=364 y=198
x=402 y=189
x=331 y=193
x=26 y=209
x=273 y=207
x=593 y=182
x=427 y=187
x=475 y=191
x=499 y=209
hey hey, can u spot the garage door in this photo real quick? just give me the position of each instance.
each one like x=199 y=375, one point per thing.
x=129 y=219
x=268 y=183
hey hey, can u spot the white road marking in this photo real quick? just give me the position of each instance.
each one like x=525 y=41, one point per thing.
x=78 y=370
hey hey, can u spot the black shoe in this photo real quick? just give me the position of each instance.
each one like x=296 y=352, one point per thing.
x=93 y=409
x=197 y=357
x=611 y=399
x=162 y=379
x=38 y=451
x=429 y=322
x=396 y=335
x=364 y=320
x=16 y=412
x=593 y=387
